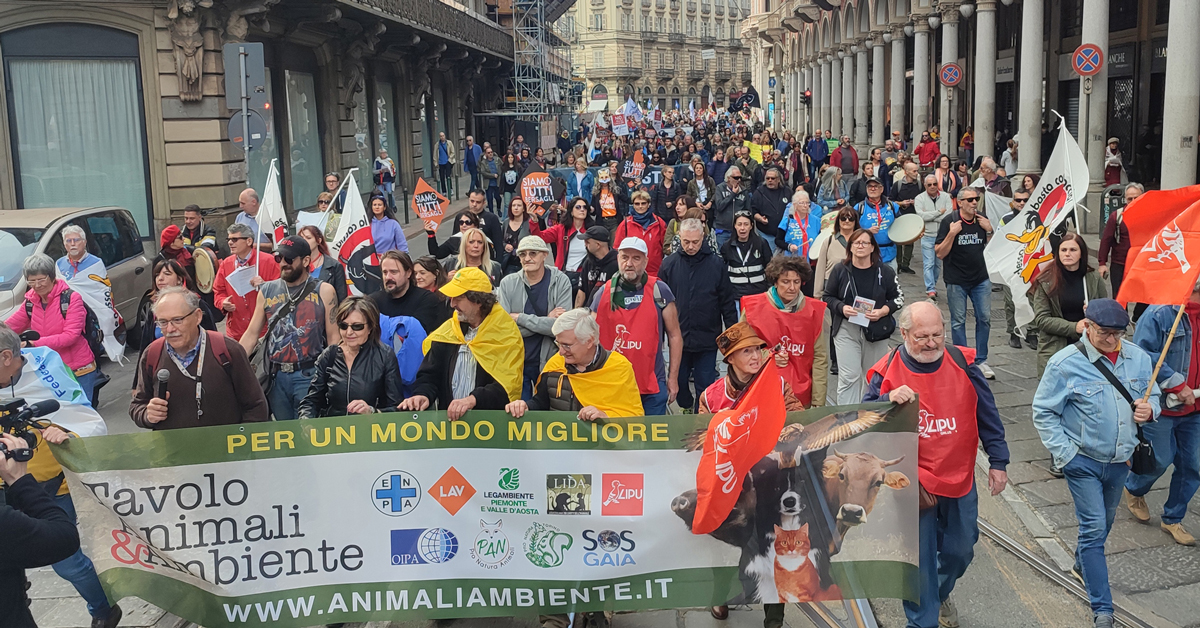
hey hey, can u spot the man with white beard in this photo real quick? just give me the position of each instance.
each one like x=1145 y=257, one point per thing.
x=957 y=411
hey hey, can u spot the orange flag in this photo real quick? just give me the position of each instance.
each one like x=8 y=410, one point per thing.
x=1165 y=269
x=737 y=439
x=1150 y=212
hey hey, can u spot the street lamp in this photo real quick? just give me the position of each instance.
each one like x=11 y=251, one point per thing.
x=841 y=54
x=853 y=49
x=935 y=21
x=908 y=30
x=887 y=38
x=966 y=10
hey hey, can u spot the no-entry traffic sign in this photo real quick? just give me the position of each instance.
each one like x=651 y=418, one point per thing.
x=1087 y=60
x=951 y=74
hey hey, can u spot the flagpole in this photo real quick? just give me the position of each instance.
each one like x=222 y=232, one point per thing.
x=1163 y=356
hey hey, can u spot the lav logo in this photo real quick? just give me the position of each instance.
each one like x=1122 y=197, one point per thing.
x=396 y=493
x=608 y=548
x=423 y=546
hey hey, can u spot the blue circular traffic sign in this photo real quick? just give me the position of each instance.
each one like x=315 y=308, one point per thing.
x=951 y=74
x=1087 y=60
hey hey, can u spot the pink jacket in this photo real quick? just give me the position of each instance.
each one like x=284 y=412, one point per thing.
x=64 y=336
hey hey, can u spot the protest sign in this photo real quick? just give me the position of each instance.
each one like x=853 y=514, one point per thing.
x=539 y=190
x=402 y=516
x=634 y=169
x=429 y=205
x=619 y=124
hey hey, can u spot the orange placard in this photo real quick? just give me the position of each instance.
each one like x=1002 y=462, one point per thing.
x=537 y=190
x=429 y=205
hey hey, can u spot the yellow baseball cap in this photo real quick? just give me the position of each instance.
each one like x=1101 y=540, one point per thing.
x=467 y=280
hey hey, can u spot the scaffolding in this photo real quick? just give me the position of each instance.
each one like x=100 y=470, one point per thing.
x=529 y=59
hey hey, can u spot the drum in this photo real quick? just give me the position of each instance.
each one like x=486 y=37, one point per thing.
x=814 y=251
x=206 y=273
x=906 y=229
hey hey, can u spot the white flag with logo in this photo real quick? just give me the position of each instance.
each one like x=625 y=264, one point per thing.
x=95 y=288
x=272 y=219
x=1019 y=248
x=352 y=243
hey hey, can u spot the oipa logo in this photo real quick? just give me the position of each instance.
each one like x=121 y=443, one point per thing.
x=423 y=546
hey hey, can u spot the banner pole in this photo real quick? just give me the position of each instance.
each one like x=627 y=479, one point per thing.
x=1163 y=356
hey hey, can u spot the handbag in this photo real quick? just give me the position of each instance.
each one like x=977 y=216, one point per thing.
x=260 y=362
x=1142 y=462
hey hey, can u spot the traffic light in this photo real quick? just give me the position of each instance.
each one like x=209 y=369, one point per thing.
x=807 y=98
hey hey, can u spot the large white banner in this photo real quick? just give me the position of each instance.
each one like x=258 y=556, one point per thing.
x=402 y=516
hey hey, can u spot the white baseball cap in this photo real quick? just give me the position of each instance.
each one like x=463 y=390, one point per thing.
x=634 y=243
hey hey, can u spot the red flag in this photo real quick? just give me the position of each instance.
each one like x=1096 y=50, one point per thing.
x=1150 y=212
x=737 y=439
x=1166 y=267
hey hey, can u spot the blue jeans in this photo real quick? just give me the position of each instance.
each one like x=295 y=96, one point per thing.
x=494 y=202
x=474 y=177
x=702 y=365
x=948 y=533
x=980 y=295
x=88 y=384
x=930 y=262
x=1096 y=488
x=770 y=240
x=287 y=392
x=1176 y=440
x=656 y=404
x=79 y=571
x=722 y=237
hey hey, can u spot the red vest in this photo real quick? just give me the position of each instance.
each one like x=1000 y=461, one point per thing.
x=796 y=334
x=948 y=430
x=715 y=397
x=634 y=333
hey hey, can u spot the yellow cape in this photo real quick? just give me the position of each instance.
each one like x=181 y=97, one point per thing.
x=497 y=347
x=612 y=389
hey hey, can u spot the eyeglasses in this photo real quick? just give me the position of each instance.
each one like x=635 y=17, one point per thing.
x=40 y=281
x=73 y=241
x=236 y=238
x=1110 y=334
x=173 y=322
x=862 y=243
x=567 y=347
x=354 y=326
x=921 y=340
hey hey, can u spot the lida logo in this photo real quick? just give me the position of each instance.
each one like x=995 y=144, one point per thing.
x=491 y=549
x=546 y=546
x=510 y=479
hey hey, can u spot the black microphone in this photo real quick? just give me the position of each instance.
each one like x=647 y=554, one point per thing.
x=42 y=408
x=161 y=390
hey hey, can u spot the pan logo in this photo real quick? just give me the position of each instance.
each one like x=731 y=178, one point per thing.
x=396 y=493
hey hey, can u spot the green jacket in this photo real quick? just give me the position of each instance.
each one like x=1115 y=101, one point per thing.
x=1054 y=331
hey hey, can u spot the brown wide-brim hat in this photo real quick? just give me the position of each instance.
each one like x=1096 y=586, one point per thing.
x=738 y=337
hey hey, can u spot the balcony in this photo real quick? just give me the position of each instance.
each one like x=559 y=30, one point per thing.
x=708 y=41
x=649 y=36
x=745 y=76
x=664 y=74
x=695 y=75
x=627 y=3
x=645 y=4
x=705 y=8
x=660 y=4
x=735 y=42
x=723 y=76
x=675 y=5
x=691 y=6
x=676 y=38
x=614 y=72
x=720 y=10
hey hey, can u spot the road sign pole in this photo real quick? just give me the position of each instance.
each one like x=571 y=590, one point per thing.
x=245 y=112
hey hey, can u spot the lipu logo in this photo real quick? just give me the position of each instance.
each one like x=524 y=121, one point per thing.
x=623 y=494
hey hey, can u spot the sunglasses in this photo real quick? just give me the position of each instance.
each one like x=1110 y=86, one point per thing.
x=973 y=199
x=322 y=202
x=736 y=178
x=1020 y=200
x=354 y=326
x=236 y=239
x=280 y=259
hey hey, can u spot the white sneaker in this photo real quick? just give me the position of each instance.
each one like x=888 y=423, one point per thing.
x=987 y=371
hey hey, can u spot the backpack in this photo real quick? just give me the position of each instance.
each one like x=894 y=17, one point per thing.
x=91 y=324
x=215 y=340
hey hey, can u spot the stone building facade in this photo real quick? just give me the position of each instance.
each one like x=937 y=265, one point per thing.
x=124 y=104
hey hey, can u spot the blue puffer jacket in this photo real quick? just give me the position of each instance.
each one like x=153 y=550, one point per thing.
x=870 y=215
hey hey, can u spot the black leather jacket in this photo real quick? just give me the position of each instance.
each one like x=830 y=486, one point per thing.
x=376 y=380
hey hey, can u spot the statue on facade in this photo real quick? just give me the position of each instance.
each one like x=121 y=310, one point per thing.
x=188 y=44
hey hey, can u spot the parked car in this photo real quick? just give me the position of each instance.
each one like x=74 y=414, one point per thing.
x=112 y=236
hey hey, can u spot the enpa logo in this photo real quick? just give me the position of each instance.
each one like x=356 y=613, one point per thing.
x=396 y=493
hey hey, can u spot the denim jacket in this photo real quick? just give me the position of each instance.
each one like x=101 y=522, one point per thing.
x=1076 y=409
x=1151 y=335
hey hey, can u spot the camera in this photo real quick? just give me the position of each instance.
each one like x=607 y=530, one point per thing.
x=17 y=418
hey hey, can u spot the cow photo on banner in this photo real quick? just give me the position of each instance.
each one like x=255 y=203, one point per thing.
x=352 y=243
x=539 y=190
x=429 y=205
x=491 y=516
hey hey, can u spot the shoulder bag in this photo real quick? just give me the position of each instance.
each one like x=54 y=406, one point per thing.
x=1142 y=461
x=260 y=361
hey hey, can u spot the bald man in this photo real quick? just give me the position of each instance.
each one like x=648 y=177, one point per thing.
x=957 y=412
x=248 y=202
